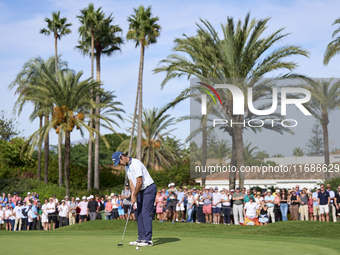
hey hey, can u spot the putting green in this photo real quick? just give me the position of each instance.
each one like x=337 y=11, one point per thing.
x=102 y=237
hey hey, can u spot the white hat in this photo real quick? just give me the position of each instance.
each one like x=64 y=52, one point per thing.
x=172 y=184
x=84 y=197
x=268 y=190
x=28 y=193
x=77 y=198
x=112 y=194
x=91 y=196
x=63 y=200
x=66 y=197
x=88 y=198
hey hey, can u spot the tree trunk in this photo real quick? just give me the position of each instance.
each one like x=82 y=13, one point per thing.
x=133 y=128
x=39 y=151
x=140 y=106
x=204 y=148
x=97 y=141
x=46 y=152
x=90 y=144
x=60 y=159
x=233 y=162
x=67 y=161
x=56 y=55
x=324 y=122
x=237 y=128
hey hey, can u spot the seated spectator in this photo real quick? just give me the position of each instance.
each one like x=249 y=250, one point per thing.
x=250 y=213
x=263 y=219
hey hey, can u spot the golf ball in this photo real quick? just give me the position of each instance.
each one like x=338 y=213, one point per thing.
x=137 y=248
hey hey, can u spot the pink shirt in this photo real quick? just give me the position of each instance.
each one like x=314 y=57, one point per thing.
x=108 y=206
x=83 y=208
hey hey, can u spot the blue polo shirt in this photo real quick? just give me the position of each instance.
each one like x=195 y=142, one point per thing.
x=268 y=198
x=180 y=195
x=315 y=195
x=34 y=210
x=323 y=197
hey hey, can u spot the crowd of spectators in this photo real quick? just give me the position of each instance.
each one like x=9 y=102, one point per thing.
x=207 y=205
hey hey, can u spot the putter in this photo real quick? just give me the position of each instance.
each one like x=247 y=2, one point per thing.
x=121 y=244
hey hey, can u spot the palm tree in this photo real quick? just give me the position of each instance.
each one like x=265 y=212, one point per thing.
x=242 y=52
x=250 y=155
x=90 y=20
x=59 y=28
x=158 y=150
x=333 y=48
x=25 y=80
x=298 y=152
x=71 y=98
x=261 y=155
x=220 y=149
x=325 y=100
x=143 y=30
x=106 y=42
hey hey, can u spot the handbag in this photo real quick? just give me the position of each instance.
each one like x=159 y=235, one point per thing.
x=107 y=213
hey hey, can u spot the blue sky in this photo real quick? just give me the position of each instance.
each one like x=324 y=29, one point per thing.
x=308 y=22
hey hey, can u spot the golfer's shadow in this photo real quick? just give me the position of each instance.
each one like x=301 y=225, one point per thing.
x=163 y=240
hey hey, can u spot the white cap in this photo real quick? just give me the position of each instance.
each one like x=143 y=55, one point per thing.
x=172 y=184
x=169 y=186
x=28 y=193
x=77 y=198
x=84 y=197
x=91 y=196
x=88 y=198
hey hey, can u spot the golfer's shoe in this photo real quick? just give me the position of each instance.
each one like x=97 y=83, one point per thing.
x=135 y=243
x=145 y=243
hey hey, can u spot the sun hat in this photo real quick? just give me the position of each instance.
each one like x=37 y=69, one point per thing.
x=268 y=190
x=77 y=198
x=91 y=196
x=258 y=193
x=109 y=197
x=28 y=193
x=88 y=198
x=84 y=197
x=232 y=190
x=172 y=184
x=116 y=157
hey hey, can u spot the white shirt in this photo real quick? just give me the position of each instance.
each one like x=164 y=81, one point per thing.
x=50 y=207
x=63 y=210
x=114 y=201
x=251 y=209
x=44 y=209
x=7 y=213
x=2 y=214
x=17 y=210
x=135 y=169
x=258 y=200
x=30 y=214
x=217 y=198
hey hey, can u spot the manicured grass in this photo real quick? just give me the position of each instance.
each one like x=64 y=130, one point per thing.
x=102 y=237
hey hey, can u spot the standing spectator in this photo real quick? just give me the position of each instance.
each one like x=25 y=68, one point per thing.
x=114 y=201
x=332 y=208
x=263 y=219
x=171 y=208
x=9 y=199
x=24 y=211
x=200 y=205
x=39 y=218
x=191 y=202
x=35 y=215
x=29 y=217
x=101 y=206
x=304 y=205
x=2 y=216
x=180 y=204
x=52 y=216
x=207 y=208
x=63 y=213
x=44 y=218
x=284 y=204
x=120 y=208
x=277 y=199
x=238 y=207
x=126 y=196
x=310 y=205
x=3 y=200
x=226 y=198
x=337 y=201
x=324 y=200
x=11 y=218
x=29 y=196
x=216 y=203
x=108 y=208
x=316 y=209
x=15 y=198
x=269 y=199
x=194 y=212
x=72 y=211
x=294 y=200
x=297 y=190
x=83 y=210
x=92 y=208
x=160 y=199
x=6 y=217
x=18 y=216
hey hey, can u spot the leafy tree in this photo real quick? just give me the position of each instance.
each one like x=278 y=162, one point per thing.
x=298 y=152
x=58 y=27
x=333 y=48
x=107 y=41
x=315 y=147
x=278 y=155
x=8 y=127
x=143 y=30
x=250 y=155
x=261 y=155
x=244 y=52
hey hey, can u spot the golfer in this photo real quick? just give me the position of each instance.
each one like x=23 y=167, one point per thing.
x=143 y=190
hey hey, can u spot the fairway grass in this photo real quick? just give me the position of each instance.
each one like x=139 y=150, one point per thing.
x=102 y=237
